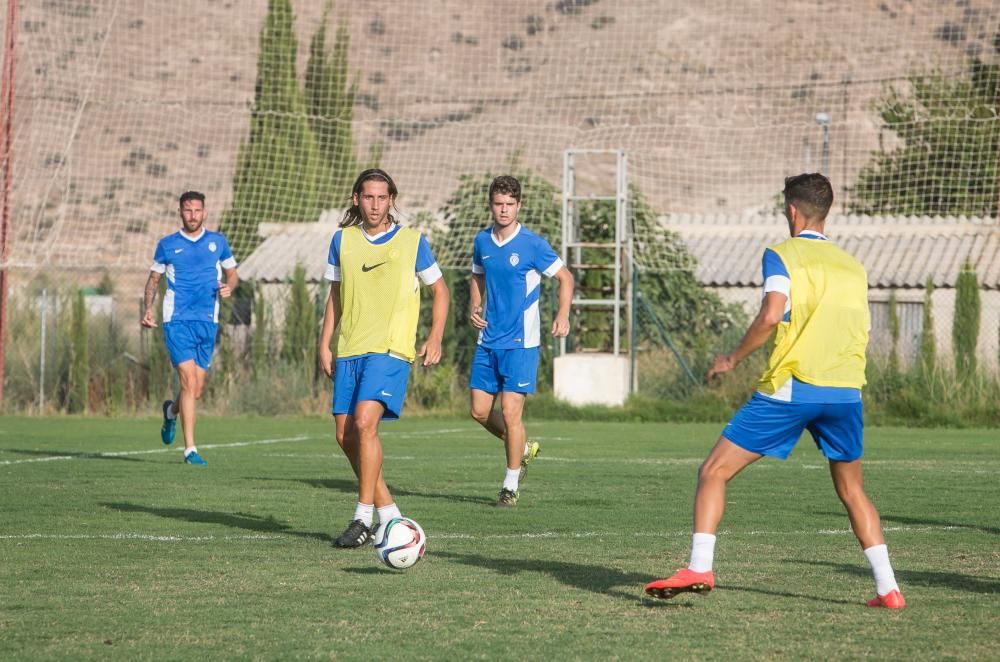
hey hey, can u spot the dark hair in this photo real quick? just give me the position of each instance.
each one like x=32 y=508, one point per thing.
x=192 y=195
x=811 y=193
x=354 y=214
x=506 y=185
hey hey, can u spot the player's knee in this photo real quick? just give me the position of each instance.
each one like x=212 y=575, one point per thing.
x=479 y=415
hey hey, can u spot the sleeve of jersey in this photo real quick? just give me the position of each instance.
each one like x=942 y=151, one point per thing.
x=159 y=259
x=427 y=267
x=228 y=261
x=547 y=256
x=332 y=272
x=477 y=258
x=776 y=277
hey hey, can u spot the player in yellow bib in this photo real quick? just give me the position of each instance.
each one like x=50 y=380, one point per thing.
x=374 y=267
x=816 y=305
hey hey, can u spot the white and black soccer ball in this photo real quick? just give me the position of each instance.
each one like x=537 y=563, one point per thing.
x=400 y=543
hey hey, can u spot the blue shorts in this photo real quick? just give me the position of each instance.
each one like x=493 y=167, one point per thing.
x=378 y=377
x=771 y=427
x=190 y=340
x=510 y=370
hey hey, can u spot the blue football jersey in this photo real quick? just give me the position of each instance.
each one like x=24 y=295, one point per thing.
x=513 y=270
x=194 y=269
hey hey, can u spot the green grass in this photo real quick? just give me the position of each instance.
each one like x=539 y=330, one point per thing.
x=135 y=555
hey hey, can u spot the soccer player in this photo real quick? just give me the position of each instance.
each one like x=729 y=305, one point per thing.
x=508 y=261
x=816 y=299
x=200 y=268
x=373 y=268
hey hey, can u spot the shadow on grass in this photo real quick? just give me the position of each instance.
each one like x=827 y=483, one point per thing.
x=234 y=520
x=351 y=487
x=595 y=578
x=78 y=456
x=923 y=521
x=786 y=594
x=930 y=579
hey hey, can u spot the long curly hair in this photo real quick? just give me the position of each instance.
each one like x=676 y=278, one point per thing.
x=354 y=215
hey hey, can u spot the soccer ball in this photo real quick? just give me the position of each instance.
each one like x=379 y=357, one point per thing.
x=400 y=543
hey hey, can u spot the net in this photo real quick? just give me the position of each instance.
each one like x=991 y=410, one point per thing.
x=122 y=105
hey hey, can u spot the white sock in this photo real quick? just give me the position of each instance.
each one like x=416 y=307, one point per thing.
x=188 y=451
x=511 y=478
x=702 y=552
x=386 y=513
x=170 y=412
x=365 y=512
x=527 y=449
x=885 y=579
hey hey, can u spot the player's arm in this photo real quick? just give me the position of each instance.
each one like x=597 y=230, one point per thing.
x=560 y=325
x=228 y=286
x=477 y=286
x=148 y=299
x=431 y=349
x=771 y=311
x=331 y=313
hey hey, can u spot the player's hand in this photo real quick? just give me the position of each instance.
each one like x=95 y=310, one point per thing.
x=325 y=357
x=225 y=291
x=476 y=317
x=148 y=319
x=431 y=351
x=722 y=363
x=560 y=327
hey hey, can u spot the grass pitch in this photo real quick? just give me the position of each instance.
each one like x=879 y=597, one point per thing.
x=112 y=548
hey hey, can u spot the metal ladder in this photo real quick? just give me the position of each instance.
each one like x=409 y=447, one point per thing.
x=618 y=247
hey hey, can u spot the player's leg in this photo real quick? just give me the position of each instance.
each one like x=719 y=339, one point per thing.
x=761 y=427
x=483 y=410
x=519 y=369
x=838 y=433
x=192 y=382
x=512 y=409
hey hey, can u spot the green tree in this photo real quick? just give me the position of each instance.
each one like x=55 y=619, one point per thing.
x=893 y=333
x=965 y=324
x=928 y=349
x=946 y=159
x=260 y=341
x=329 y=98
x=278 y=168
x=79 y=368
x=300 y=322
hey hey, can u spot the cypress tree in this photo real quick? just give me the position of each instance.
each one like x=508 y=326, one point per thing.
x=329 y=98
x=260 y=341
x=965 y=325
x=893 y=333
x=79 y=370
x=300 y=322
x=277 y=168
x=928 y=350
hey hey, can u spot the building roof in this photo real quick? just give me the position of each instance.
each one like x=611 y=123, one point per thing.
x=897 y=251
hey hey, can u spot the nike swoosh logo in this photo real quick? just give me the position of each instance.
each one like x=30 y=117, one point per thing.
x=388 y=395
x=365 y=268
x=520 y=385
x=486 y=257
x=177 y=250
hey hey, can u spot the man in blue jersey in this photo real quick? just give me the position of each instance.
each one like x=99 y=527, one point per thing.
x=508 y=262
x=374 y=267
x=200 y=268
x=816 y=305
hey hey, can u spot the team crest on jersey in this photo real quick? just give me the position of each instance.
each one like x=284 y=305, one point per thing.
x=212 y=246
x=393 y=254
x=514 y=259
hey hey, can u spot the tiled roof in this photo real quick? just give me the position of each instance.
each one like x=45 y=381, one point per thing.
x=897 y=251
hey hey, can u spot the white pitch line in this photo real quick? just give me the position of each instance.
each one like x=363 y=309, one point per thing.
x=552 y=535
x=85 y=456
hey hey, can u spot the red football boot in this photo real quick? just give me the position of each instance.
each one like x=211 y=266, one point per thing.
x=682 y=581
x=891 y=600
